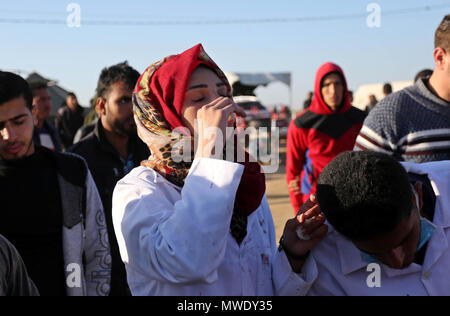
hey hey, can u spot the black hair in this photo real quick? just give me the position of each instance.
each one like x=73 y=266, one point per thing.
x=37 y=85
x=387 y=88
x=364 y=194
x=120 y=72
x=423 y=74
x=13 y=86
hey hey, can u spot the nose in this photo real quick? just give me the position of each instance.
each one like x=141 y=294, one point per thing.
x=8 y=134
x=398 y=258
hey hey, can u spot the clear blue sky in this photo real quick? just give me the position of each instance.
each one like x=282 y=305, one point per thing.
x=398 y=49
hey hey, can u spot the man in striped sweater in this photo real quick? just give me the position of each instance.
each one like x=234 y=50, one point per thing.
x=414 y=123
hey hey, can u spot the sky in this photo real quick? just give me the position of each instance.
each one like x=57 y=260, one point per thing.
x=241 y=36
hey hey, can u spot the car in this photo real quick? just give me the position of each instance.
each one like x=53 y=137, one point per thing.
x=257 y=114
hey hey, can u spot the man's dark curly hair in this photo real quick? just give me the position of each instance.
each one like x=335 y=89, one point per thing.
x=120 y=72
x=364 y=194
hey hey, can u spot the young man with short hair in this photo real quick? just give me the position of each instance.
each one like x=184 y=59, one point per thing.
x=413 y=124
x=389 y=228
x=50 y=208
x=113 y=149
x=328 y=127
x=69 y=119
x=44 y=133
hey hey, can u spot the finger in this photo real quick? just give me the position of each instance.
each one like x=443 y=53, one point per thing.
x=220 y=102
x=312 y=224
x=314 y=211
x=308 y=204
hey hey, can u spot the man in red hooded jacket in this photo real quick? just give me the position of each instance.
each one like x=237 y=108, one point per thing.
x=318 y=134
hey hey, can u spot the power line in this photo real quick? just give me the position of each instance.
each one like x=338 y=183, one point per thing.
x=93 y=22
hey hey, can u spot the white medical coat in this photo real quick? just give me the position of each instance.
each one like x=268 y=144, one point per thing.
x=177 y=242
x=335 y=266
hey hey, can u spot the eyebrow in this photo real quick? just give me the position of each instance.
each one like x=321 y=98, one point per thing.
x=219 y=84
x=14 y=118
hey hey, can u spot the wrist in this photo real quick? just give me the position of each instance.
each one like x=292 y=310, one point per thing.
x=289 y=253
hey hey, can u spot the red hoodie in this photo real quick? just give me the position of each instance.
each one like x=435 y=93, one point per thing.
x=317 y=135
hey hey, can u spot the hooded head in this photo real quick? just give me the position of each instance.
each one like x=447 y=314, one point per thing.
x=330 y=90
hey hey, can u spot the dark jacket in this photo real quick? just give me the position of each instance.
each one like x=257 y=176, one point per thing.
x=14 y=279
x=67 y=122
x=107 y=168
x=53 y=135
x=317 y=135
x=87 y=259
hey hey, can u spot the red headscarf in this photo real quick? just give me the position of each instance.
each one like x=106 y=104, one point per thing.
x=158 y=99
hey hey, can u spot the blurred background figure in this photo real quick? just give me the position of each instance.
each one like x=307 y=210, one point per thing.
x=350 y=95
x=372 y=103
x=45 y=133
x=69 y=119
x=308 y=100
x=387 y=89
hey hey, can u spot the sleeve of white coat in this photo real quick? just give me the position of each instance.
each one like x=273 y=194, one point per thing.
x=285 y=281
x=182 y=243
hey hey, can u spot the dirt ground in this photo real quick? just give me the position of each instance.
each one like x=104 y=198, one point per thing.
x=277 y=194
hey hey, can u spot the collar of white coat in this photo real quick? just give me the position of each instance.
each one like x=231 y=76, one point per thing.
x=439 y=175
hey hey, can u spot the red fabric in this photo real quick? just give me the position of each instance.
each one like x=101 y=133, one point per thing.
x=167 y=90
x=168 y=84
x=318 y=105
x=309 y=145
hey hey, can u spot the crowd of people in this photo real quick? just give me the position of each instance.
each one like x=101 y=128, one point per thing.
x=101 y=206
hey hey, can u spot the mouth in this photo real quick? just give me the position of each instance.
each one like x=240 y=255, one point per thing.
x=14 y=149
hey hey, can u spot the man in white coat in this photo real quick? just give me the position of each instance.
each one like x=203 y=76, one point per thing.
x=389 y=228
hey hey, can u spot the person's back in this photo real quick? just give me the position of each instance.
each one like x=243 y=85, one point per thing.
x=414 y=124
x=14 y=279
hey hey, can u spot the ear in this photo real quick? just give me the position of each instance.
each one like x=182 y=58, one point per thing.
x=100 y=106
x=34 y=115
x=419 y=191
x=439 y=57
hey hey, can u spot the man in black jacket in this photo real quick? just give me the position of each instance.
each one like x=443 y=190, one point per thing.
x=113 y=149
x=69 y=119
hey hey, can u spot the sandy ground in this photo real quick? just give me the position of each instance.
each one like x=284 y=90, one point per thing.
x=277 y=194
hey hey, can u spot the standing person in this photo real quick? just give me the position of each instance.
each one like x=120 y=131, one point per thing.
x=389 y=228
x=308 y=100
x=319 y=134
x=200 y=227
x=14 y=279
x=45 y=133
x=414 y=124
x=387 y=89
x=113 y=149
x=69 y=119
x=372 y=103
x=50 y=208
